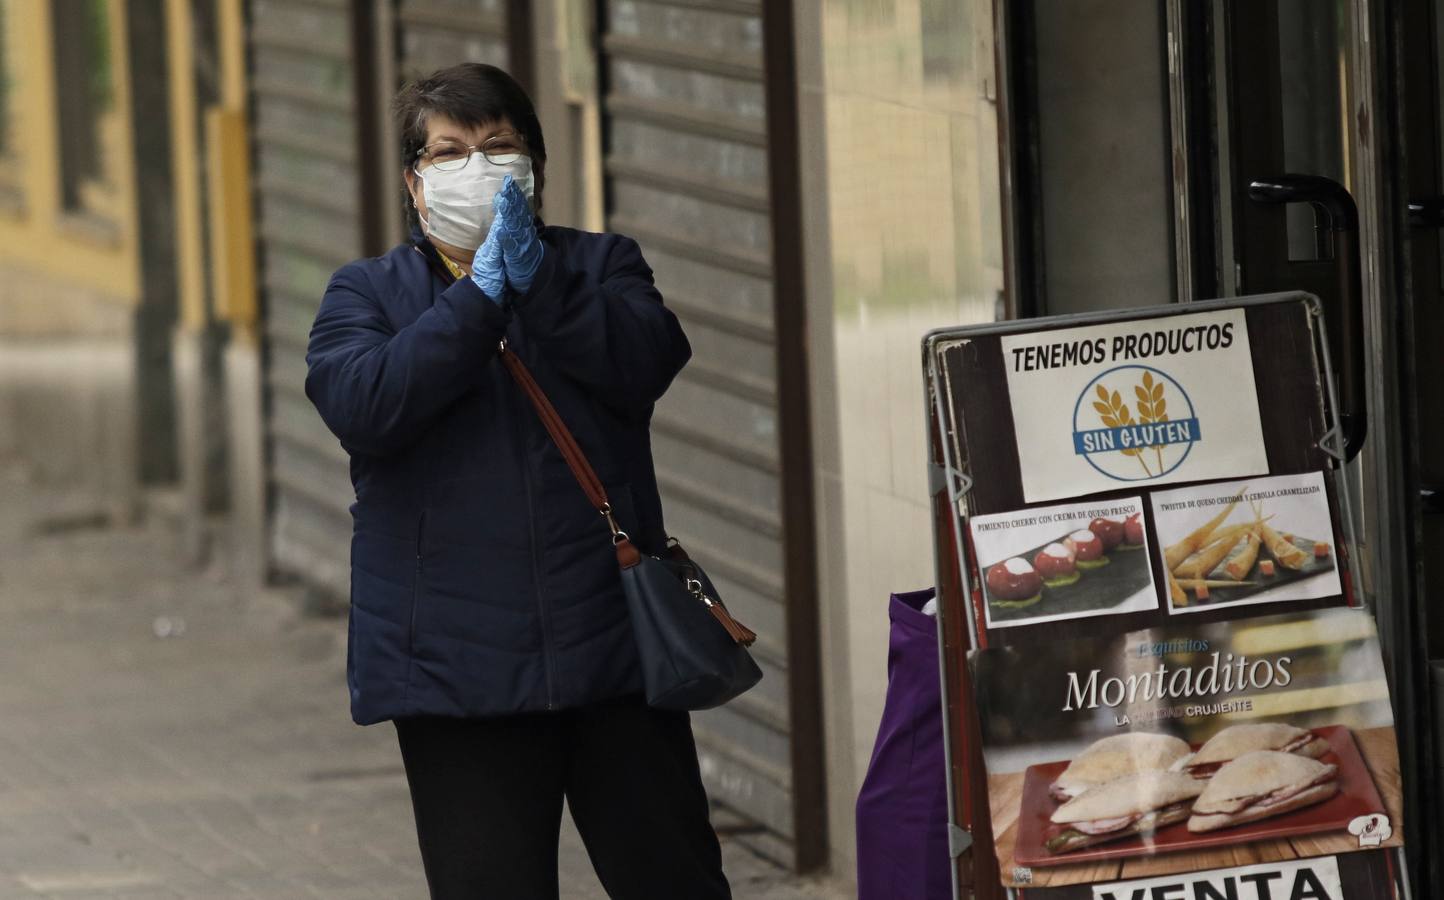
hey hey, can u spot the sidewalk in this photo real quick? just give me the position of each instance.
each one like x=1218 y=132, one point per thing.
x=166 y=736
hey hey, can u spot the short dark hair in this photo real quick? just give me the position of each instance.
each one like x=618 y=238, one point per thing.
x=471 y=94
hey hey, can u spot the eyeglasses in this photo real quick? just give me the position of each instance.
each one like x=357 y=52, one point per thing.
x=448 y=156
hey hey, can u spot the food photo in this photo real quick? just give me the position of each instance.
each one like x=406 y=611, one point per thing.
x=1155 y=802
x=1063 y=562
x=1244 y=542
x=1184 y=743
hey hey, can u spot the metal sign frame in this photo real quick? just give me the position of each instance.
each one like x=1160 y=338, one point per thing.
x=950 y=482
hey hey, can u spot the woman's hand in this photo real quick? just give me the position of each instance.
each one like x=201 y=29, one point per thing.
x=515 y=229
x=487 y=267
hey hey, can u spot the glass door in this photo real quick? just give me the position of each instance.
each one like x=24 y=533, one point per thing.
x=1418 y=112
x=1303 y=153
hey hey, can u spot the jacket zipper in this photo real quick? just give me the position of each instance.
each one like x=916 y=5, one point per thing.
x=416 y=586
x=548 y=656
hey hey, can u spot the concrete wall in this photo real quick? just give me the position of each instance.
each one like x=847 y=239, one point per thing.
x=1101 y=62
x=903 y=234
x=67 y=385
x=570 y=111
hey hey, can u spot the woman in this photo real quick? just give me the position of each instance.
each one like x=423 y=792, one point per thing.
x=487 y=618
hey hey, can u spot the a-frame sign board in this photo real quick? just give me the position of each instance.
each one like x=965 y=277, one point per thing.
x=1160 y=677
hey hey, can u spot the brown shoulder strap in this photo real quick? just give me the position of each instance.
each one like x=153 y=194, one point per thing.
x=571 y=451
x=627 y=554
x=576 y=459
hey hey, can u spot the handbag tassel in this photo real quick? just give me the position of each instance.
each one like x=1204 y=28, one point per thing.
x=740 y=633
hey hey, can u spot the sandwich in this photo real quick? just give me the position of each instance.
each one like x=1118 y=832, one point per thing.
x=1260 y=785
x=1236 y=740
x=1137 y=804
x=1114 y=757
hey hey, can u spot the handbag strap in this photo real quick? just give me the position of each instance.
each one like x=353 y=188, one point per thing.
x=576 y=460
x=627 y=554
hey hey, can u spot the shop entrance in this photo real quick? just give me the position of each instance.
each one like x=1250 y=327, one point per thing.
x=1183 y=151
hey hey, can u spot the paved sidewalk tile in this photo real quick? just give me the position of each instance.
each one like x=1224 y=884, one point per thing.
x=167 y=736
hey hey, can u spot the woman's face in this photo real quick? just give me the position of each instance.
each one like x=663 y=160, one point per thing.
x=441 y=128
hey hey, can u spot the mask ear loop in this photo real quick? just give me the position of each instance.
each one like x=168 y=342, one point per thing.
x=425 y=225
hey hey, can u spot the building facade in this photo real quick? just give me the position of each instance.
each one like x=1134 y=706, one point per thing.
x=816 y=183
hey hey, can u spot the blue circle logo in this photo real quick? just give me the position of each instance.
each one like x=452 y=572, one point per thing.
x=1134 y=423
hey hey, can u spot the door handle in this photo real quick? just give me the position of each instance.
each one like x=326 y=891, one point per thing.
x=1335 y=215
x=1322 y=193
x=1426 y=212
x=1431 y=499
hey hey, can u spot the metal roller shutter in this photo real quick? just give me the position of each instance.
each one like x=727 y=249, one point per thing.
x=439 y=33
x=687 y=176
x=320 y=148
x=307 y=215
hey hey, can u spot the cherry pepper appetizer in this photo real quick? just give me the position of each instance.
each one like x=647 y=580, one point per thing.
x=1056 y=564
x=1133 y=531
x=1014 y=583
x=1087 y=549
x=1109 y=531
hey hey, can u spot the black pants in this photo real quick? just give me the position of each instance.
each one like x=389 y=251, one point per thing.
x=487 y=794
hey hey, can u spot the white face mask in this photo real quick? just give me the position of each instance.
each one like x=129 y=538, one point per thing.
x=458 y=202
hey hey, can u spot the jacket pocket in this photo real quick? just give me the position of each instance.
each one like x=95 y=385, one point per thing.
x=416 y=585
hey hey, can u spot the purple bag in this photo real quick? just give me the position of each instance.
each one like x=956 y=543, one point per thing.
x=902 y=812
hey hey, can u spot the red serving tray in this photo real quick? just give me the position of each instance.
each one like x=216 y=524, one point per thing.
x=1357 y=796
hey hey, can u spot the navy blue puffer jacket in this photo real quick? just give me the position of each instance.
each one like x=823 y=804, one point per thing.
x=482 y=581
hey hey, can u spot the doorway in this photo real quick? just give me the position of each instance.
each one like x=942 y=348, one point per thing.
x=1248 y=146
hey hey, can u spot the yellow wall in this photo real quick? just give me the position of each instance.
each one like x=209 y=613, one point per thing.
x=185 y=164
x=232 y=231
x=226 y=164
x=41 y=237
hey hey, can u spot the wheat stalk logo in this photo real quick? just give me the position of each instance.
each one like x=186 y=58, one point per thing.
x=1152 y=407
x=1116 y=414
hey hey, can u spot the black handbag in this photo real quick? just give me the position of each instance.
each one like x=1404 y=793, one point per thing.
x=693 y=653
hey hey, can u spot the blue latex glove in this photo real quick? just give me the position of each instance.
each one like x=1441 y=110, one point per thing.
x=487 y=268
x=515 y=227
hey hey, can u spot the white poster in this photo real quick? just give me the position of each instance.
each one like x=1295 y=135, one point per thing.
x=1317 y=879
x=1134 y=404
